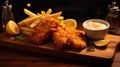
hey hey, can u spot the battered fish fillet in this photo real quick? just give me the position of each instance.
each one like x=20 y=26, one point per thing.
x=76 y=39
x=60 y=38
x=61 y=35
x=43 y=30
x=66 y=35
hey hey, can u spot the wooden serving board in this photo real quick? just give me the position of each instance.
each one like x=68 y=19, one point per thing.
x=104 y=55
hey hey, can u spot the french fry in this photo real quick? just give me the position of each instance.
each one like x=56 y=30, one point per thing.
x=38 y=13
x=35 y=22
x=28 y=21
x=21 y=23
x=43 y=13
x=29 y=13
x=31 y=20
x=28 y=33
x=55 y=15
x=48 y=12
x=60 y=18
x=27 y=29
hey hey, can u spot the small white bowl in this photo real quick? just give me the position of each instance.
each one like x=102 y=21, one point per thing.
x=96 y=28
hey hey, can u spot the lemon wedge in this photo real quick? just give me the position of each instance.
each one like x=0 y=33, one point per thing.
x=101 y=43
x=70 y=23
x=12 y=28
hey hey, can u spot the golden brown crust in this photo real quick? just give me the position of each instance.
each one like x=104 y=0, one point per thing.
x=66 y=35
x=61 y=35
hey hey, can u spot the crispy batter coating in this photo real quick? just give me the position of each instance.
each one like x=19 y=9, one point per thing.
x=66 y=35
x=61 y=35
x=76 y=38
x=60 y=38
x=43 y=30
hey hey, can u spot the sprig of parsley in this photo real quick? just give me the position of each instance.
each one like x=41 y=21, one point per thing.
x=20 y=37
x=90 y=45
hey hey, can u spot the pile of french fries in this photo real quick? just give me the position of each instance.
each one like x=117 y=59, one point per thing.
x=27 y=25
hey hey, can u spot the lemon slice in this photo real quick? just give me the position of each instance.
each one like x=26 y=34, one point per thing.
x=101 y=43
x=12 y=28
x=70 y=23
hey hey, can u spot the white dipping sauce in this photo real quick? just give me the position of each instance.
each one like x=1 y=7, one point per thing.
x=95 y=25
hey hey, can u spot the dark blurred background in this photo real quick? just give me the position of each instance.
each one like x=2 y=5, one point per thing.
x=80 y=10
